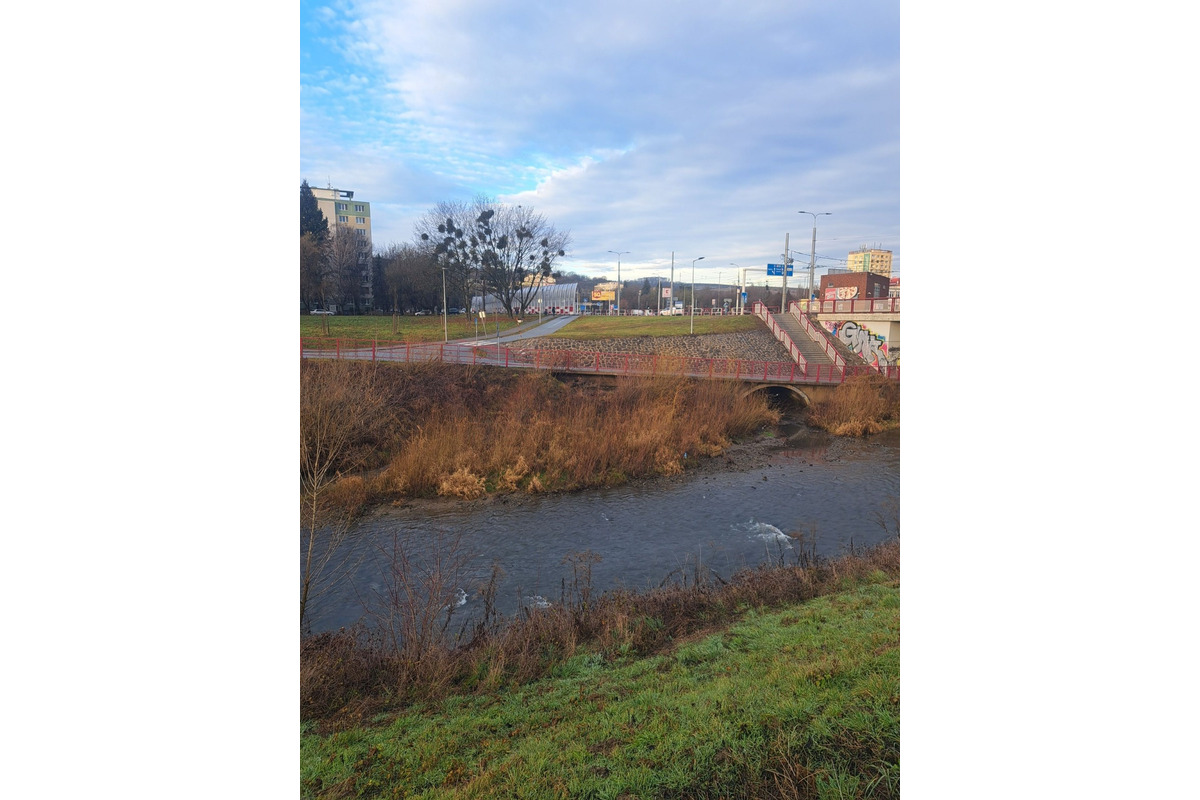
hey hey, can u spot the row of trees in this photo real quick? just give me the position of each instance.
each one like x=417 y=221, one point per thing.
x=478 y=247
x=472 y=248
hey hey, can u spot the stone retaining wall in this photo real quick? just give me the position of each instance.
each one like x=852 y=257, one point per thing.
x=749 y=345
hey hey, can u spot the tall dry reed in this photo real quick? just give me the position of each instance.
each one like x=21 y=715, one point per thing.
x=452 y=428
x=864 y=404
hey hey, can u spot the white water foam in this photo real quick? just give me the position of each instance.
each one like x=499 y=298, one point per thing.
x=767 y=533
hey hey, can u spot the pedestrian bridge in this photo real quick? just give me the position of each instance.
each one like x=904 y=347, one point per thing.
x=799 y=371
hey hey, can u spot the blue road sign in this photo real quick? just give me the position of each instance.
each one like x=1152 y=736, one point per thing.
x=777 y=269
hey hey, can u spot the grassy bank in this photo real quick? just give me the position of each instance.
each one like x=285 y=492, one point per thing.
x=392 y=431
x=587 y=328
x=782 y=683
x=401 y=329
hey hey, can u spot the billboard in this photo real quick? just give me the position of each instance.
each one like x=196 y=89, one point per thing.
x=604 y=294
x=666 y=292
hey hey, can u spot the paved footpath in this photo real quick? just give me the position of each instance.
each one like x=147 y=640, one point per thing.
x=530 y=329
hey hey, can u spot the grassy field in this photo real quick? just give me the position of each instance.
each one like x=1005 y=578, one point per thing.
x=615 y=327
x=799 y=702
x=461 y=326
x=407 y=329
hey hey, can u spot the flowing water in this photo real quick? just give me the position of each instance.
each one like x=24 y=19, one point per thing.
x=835 y=492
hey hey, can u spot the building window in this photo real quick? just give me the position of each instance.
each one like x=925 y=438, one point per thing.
x=358 y=208
x=362 y=233
x=341 y=206
x=343 y=219
x=361 y=220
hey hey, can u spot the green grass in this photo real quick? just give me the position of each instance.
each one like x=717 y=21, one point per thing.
x=615 y=327
x=429 y=329
x=409 y=329
x=799 y=702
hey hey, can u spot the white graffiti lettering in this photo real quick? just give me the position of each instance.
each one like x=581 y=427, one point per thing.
x=872 y=348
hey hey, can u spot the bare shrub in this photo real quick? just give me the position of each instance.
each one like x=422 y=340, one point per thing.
x=339 y=670
x=414 y=605
x=341 y=409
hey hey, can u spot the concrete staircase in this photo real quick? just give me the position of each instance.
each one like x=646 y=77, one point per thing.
x=813 y=352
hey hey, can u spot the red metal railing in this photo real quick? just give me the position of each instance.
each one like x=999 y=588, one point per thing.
x=876 y=305
x=783 y=336
x=578 y=361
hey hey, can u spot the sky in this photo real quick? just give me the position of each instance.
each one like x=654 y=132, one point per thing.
x=701 y=129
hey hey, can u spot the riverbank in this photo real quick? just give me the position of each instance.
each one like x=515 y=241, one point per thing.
x=373 y=433
x=783 y=682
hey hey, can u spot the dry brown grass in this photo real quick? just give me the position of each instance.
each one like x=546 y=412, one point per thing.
x=862 y=405
x=462 y=431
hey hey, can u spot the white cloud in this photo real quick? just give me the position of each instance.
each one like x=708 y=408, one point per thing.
x=637 y=126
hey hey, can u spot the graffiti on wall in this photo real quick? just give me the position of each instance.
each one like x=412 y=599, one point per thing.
x=841 y=293
x=872 y=348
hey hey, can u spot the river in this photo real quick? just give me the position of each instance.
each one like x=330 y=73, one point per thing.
x=837 y=492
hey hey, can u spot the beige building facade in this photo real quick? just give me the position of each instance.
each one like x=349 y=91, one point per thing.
x=340 y=208
x=871 y=260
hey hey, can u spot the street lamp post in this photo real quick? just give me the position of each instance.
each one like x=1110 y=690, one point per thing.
x=692 y=324
x=619 y=253
x=812 y=259
x=737 y=301
x=445 y=324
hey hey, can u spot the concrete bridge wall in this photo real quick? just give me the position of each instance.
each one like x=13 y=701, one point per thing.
x=876 y=337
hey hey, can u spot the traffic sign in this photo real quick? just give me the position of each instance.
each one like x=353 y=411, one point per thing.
x=777 y=269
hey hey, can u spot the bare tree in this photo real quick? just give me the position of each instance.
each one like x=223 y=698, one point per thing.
x=512 y=249
x=311 y=270
x=347 y=274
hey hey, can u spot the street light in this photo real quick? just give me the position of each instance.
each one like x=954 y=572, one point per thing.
x=692 y=324
x=619 y=254
x=812 y=260
x=737 y=304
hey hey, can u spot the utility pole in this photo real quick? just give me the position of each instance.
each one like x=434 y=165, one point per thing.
x=786 y=261
x=619 y=253
x=671 y=305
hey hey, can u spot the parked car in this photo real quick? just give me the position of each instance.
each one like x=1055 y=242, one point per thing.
x=320 y=311
x=421 y=314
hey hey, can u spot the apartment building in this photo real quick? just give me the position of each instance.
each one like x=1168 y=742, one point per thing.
x=871 y=260
x=340 y=208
